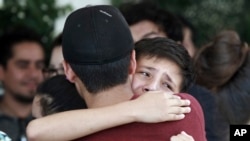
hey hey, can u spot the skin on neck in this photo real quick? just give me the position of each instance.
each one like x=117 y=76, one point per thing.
x=13 y=108
x=108 y=97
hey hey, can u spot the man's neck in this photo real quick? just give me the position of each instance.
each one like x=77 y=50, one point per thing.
x=109 y=97
x=12 y=107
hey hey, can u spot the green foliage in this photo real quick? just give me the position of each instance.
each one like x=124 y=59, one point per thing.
x=210 y=16
x=37 y=14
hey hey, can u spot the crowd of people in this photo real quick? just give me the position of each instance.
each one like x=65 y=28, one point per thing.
x=131 y=72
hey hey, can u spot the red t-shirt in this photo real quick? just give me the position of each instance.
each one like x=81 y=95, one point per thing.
x=193 y=124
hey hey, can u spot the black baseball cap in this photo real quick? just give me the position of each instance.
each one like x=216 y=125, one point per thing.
x=96 y=35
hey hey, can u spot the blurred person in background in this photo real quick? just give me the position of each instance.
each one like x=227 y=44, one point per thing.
x=54 y=95
x=188 y=32
x=55 y=66
x=21 y=64
x=223 y=66
x=146 y=20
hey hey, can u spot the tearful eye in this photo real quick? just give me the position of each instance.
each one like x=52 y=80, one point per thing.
x=165 y=84
x=145 y=74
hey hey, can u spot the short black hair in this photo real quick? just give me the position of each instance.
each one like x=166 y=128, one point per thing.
x=57 y=41
x=164 y=48
x=166 y=21
x=13 y=36
x=187 y=24
x=58 y=95
x=97 y=78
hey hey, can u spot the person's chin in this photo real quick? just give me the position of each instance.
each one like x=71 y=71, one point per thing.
x=25 y=97
x=28 y=92
x=32 y=87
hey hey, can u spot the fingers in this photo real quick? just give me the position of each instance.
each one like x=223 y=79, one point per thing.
x=174 y=117
x=180 y=102
x=179 y=110
x=177 y=106
x=175 y=101
x=161 y=106
x=183 y=136
x=178 y=113
x=175 y=97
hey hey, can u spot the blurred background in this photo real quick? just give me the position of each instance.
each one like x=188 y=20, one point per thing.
x=207 y=16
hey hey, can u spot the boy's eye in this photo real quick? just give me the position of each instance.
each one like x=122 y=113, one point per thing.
x=165 y=84
x=145 y=74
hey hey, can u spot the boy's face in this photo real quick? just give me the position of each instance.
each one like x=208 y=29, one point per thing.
x=153 y=74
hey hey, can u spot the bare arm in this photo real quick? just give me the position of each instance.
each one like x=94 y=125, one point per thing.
x=150 y=107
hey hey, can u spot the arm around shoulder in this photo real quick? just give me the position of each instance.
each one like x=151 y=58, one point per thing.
x=78 y=123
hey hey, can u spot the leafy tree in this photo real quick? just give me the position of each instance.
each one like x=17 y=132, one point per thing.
x=37 y=14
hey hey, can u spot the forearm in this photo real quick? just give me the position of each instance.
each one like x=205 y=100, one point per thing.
x=78 y=123
x=151 y=108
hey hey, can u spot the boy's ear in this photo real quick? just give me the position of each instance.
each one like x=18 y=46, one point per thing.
x=132 y=63
x=70 y=75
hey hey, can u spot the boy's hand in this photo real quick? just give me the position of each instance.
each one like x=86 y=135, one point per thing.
x=157 y=106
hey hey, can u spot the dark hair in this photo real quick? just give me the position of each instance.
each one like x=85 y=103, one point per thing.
x=166 y=21
x=13 y=36
x=58 y=95
x=57 y=41
x=187 y=24
x=97 y=78
x=168 y=49
x=220 y=59
x=223 y=67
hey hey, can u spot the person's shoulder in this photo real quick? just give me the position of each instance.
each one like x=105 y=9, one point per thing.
x=199 y=91
x=188 y=96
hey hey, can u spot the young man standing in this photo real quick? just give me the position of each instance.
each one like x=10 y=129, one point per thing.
x=21 y=64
